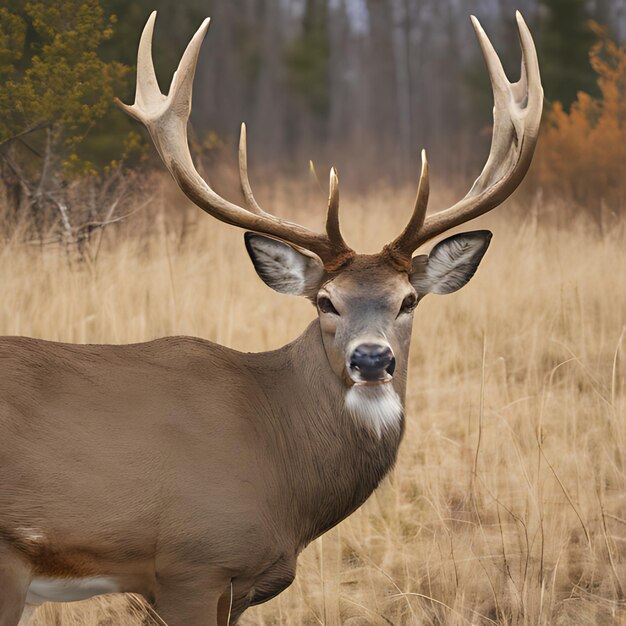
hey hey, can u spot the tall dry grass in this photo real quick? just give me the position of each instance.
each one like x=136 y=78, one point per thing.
x=508 y=503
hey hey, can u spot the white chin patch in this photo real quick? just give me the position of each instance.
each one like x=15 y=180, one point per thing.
x=376 y=406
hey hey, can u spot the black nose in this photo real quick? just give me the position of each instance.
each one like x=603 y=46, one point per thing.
x=373 y=361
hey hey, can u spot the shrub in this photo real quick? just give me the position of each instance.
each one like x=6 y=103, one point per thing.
x=582 y=154
x=55 y=91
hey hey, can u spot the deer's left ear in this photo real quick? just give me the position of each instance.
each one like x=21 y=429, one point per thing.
x=450 y=264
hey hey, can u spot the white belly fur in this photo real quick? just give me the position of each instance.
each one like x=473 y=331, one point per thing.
x=69 y=589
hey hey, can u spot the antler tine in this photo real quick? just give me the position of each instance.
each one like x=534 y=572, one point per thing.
x=147 y=83
x=147 y=91
x=404 y=245
x=332 y=219
x=166 y=120
x=251 y=202
x=181 y=87
x=516 y=118
x=520 y=88
x=530 y=72
x=501 y=88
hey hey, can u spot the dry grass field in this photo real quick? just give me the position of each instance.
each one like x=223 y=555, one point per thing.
x=508 y=502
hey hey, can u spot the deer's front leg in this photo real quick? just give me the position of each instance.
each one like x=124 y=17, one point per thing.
x=193 y=601
x=27 y=615
x=14 y=582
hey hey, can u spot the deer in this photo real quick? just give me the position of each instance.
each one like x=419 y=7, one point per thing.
x=193 y=474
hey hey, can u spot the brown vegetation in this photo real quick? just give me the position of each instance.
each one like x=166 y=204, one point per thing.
x=582 y=154
x=508 y=504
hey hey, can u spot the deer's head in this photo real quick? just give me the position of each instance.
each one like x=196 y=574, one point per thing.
x=366 y=306
x=365 y=303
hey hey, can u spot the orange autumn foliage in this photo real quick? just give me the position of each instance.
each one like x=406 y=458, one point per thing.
x=582 y=154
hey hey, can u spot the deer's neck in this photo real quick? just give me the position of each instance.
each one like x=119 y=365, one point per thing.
x=330 y=459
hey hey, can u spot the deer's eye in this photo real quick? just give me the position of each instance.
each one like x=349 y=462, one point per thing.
x=326 y=306
x=408 y=304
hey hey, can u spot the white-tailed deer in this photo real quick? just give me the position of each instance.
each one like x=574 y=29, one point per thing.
x=194 y=474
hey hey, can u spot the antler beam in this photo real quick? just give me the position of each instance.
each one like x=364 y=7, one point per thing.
x=166 y=119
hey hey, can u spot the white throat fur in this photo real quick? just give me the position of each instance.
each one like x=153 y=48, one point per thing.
x=376 y=406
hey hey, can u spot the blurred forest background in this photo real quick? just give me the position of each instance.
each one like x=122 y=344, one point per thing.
x=508 y=503
x=362 y=84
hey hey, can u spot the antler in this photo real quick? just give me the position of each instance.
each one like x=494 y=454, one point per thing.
x=516 y=117
x=166 y=118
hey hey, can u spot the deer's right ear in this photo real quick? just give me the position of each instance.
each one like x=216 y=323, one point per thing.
x=284 y=268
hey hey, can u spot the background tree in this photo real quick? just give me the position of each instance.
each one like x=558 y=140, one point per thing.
x=565 y=40
x=56 y=89
x=52 y=74
x=307 y=60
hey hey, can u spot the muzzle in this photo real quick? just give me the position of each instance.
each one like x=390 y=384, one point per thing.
x=371 y=363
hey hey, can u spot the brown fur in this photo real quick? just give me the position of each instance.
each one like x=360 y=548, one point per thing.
x=172 y=461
